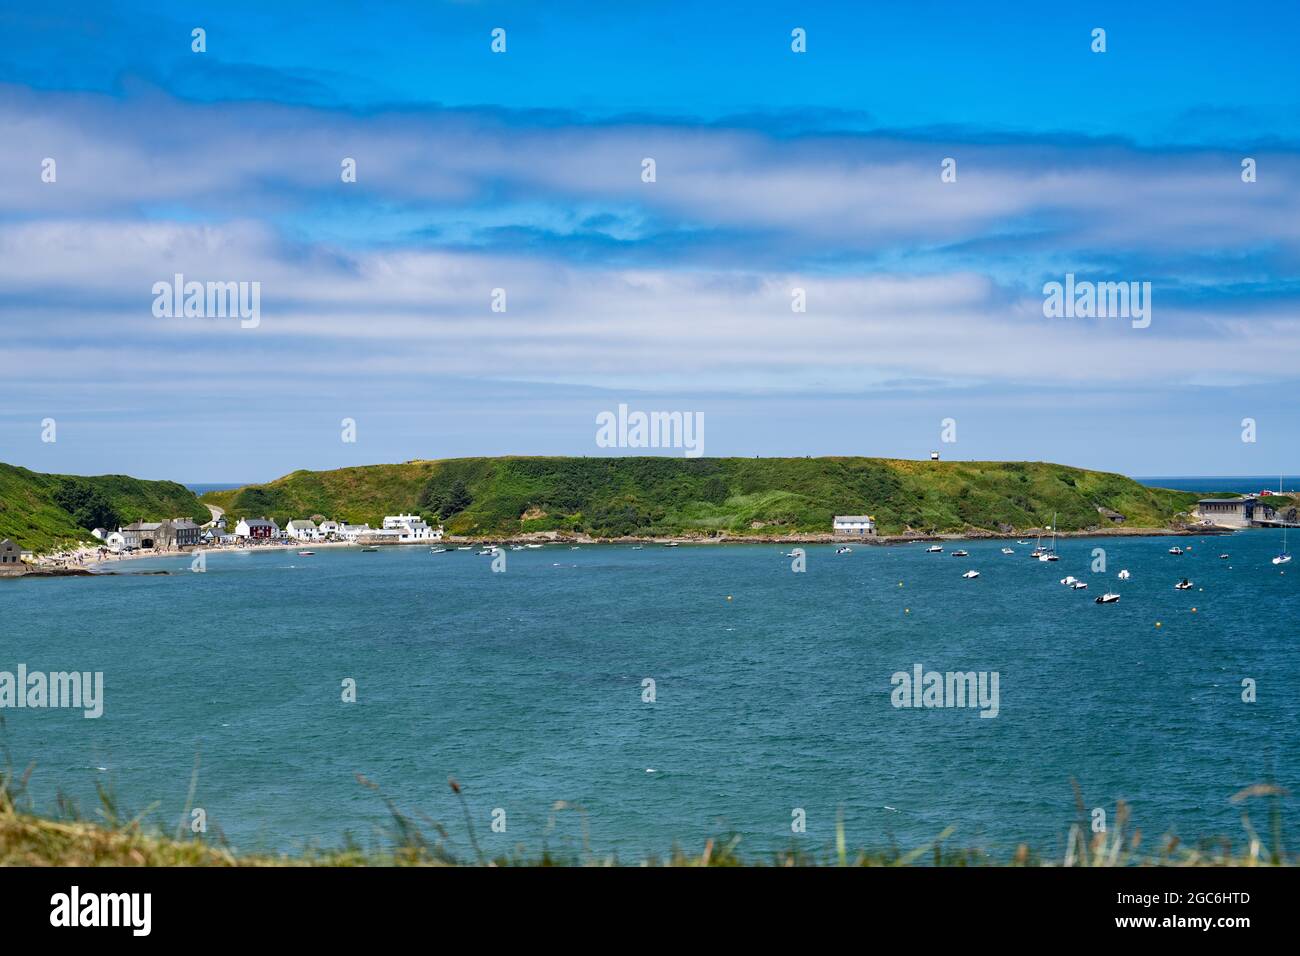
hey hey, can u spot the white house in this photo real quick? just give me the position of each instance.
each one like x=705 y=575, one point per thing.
x=100 y=533
x=854 y=524
x=406 y=529
x=351 y=532
x=257 y=528
x=115 y=541
x=302 y=530
x=328 y=528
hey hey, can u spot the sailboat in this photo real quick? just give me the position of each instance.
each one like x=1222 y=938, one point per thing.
x=1038 y=547
x=1284 y=556
x=1050 y=554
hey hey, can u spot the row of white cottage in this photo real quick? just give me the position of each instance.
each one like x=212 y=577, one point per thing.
x=397 y=529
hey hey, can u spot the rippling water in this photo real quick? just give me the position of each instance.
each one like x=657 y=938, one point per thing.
x=773 y=691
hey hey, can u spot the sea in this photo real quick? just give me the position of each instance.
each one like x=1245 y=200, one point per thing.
x=615 y=701
x=1238 y=484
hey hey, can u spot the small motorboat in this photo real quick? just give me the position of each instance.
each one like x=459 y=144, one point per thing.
x=368 y=550
x=532 y=546
x=465 y=548
x=1079 y=585
x=971 y=574
x=637 y=547
x=1018 y=541
x=1110 y=597
x=672 y=544
x=1223 y=557
x=843 y=550
x=933 y=549
x=1175 y=550
x=961 y=554
x=1124 y=575
x=516 y=547
x=305 y=554
x=437 y=550
x=1008 y=551
x=487 y=551
x=1068 y=579
x=573 y=547
x=1183 y=585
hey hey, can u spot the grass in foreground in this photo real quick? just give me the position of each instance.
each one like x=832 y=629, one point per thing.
x=27 y=839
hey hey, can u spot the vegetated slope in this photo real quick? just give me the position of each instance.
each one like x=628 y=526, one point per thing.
x=737 y=496
x=41 y=512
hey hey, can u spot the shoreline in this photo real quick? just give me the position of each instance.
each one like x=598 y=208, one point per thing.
x=567 y=539
x=89 y=560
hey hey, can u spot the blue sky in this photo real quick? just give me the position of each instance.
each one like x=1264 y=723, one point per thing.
x=522 y=171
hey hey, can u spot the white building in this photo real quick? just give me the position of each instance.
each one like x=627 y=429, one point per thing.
x=100 y=533
x=854 y=524
x=302 y=530
x=115 y=541
x=328 y=528
x=257 y=528
x=351 y=532
x=407 y=529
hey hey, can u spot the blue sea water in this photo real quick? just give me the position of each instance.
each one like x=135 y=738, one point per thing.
x=1241 y=484
x=773 y=692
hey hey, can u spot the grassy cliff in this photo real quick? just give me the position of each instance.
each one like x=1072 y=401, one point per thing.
x=736 y=496
x=42 y=512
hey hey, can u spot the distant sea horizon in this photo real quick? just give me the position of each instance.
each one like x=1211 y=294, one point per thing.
x=1238 y=483
x=203 y=487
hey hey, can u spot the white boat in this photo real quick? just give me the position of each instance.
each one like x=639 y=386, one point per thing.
x=933 y=549
x=971 y=574
x=843 y=550
x=1183 y=585
x=1038 y=551
x=466 y=548
x=960 y=554
x=1079 y=585
x=1284 y=556
x=1110 y=597
x=1124 y=575
x=636 y=547
x=305 y=554
x=1223 y=557
x=516 y=547
x=1175 y=550
x=437 y=550
x=1008 y=551
x=487 y=551
x=671 y=544
x=1050 y=553
x=1069 y=579
x=532 y=546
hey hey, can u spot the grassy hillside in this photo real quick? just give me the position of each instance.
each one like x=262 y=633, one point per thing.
x=123 y=839
x=43 y=512
x=659 y=495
